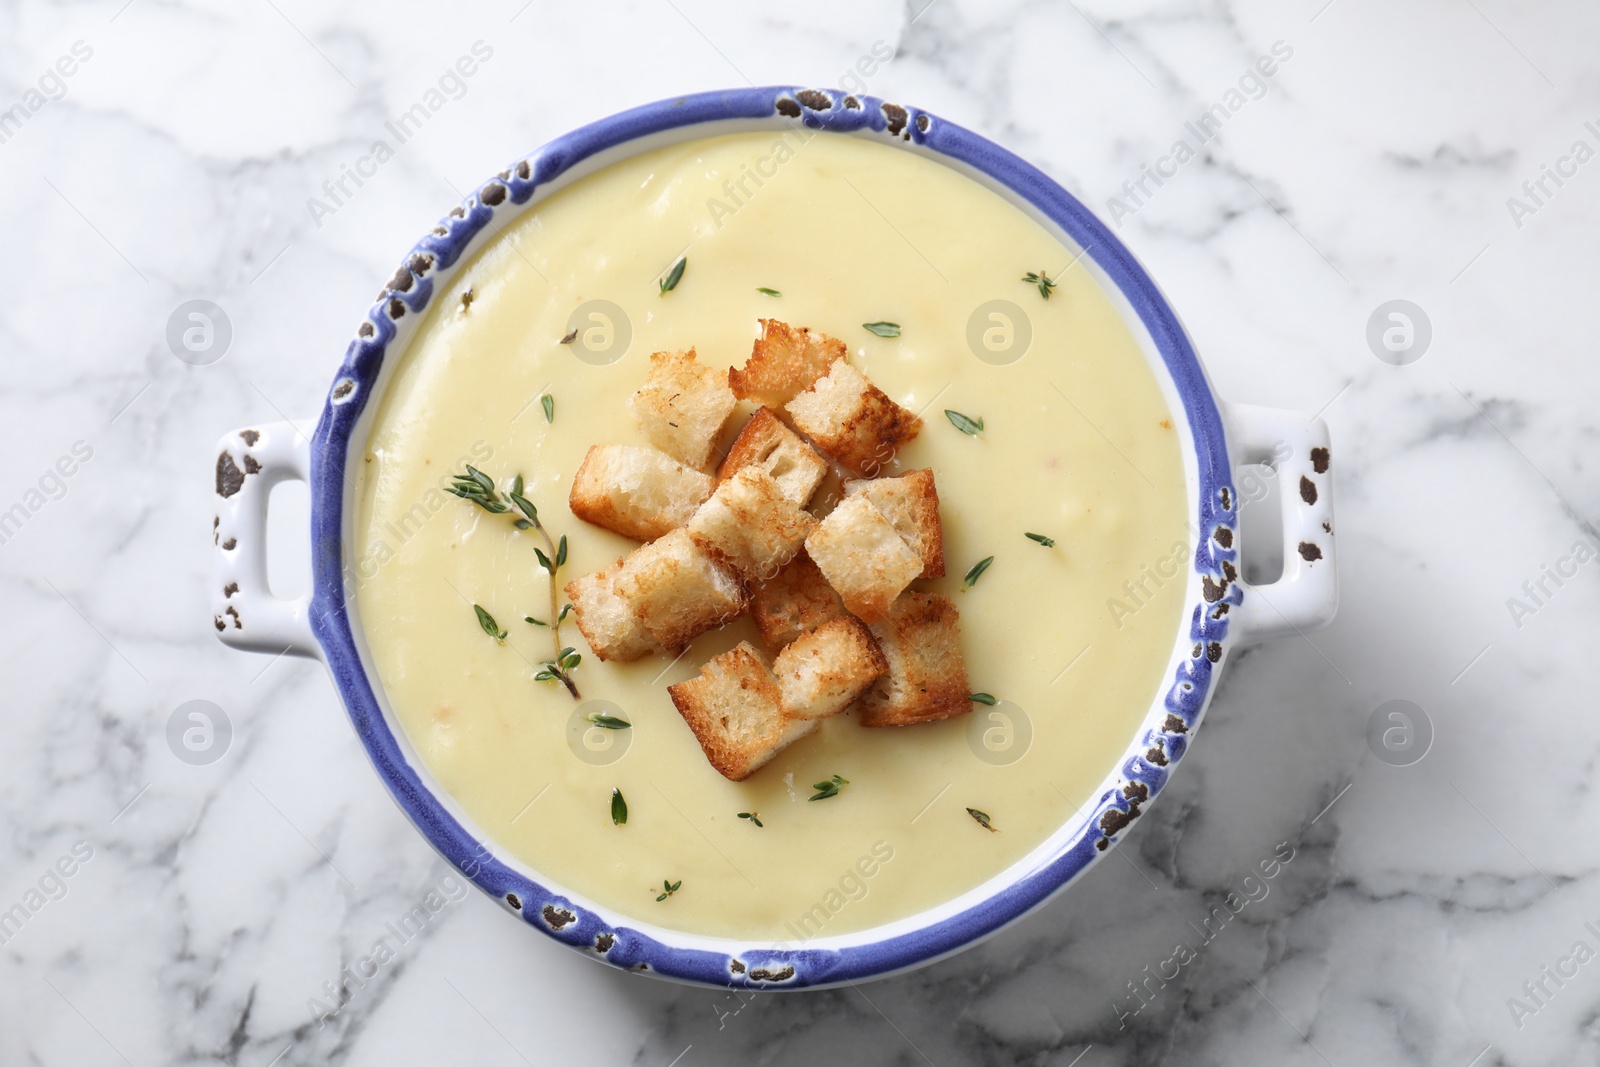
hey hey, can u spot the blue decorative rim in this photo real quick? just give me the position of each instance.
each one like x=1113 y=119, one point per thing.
x=1143 y=774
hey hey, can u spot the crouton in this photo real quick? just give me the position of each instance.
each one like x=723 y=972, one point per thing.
x=678 y=590
x=852 y=421
x=767 y=443
x=798 y=598
x=682 y=405
x=927 y=676
x=863 y=558
x=636 y=491
x=784 y=361
x=736 y=711
x=607 y=621
x=911 y=503
x=750 y=525
x=821 y=672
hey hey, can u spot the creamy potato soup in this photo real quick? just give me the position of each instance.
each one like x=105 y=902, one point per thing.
x=1077 y=446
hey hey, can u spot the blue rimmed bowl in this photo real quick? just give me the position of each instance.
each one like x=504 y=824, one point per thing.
x=1224 y=612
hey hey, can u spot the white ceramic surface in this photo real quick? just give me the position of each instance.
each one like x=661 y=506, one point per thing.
x=220 y=898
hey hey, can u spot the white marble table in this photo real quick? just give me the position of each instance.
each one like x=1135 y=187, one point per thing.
x=177 y=162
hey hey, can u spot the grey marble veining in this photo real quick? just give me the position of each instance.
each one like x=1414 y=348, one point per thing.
x=1427 y=913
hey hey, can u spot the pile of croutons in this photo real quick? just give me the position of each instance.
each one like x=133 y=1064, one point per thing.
x=830 y=596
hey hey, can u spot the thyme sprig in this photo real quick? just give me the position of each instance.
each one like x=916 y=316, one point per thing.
x=1048 y=542
x=829 y=788
x=982 y=819
x=753 y=816
x=1041 y=280
x=478 y=488
x=668 y=888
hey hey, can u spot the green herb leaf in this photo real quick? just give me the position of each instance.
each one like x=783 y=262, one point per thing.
x=1048 y=542
x=536 y=622
x=477 y=487
x=609 y=722
x=963 y=423
x=548 y=402
x=753 y=816
x=982 y=819
x=571 y=337
x=545 y=675
x=525 y=506
x=516 y=486
x=829 y=788
x=1041 y=280
x=983 y=698
x=568 y=659
x=769 y=292
x=668 y=888
x=561 y=552
x=674 y=276
x=490 y=627
x=544 y=560
x=977 y=571
x=882 y=329
x=619 y=808
x=563 y=616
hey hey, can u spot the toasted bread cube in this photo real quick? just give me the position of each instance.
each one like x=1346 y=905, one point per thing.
x=637 y=491
x=682 y=405
x=736 y=712
x=853 y=421
x=607 y=621
x=863 y=558
x=797 y=599
x=927 y=676
x=784 y=361
x=911 y=503
x=750 y=525
x=821 y=672
x=767 y=443
x=679 y=590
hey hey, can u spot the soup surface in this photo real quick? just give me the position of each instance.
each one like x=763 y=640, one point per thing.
x=1077 y=446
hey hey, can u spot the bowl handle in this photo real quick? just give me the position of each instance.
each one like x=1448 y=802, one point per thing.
x=245 y=613
x=1307 y=595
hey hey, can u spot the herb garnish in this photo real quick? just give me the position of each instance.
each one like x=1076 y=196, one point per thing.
x=563 y=615
x=668 y=888
x=674 y=276
x=977 y=571
x=571 y=337
x=619 y=808
x=490 y=627
x=753 y=816
x=467 y=298
x=1048 y=542
x=982 y=819
x=882 y=329
x=536 y=622
x=983 y=698
x=830 y=788
x=609 y=722
x=478 y=488
x=963 y=423
x=560 y=668
x=548 y=402
x=769 y=292
x=1042 y=281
